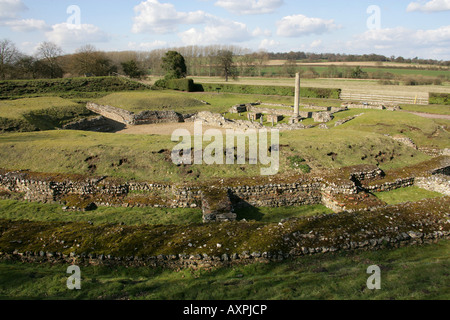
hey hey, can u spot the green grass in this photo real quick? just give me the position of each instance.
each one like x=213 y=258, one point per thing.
x=145 y=162
x=411 y=194
x=270 y=215
x=15 y=109
x=43 y=113
x=410 y=273
x=184 y=102
x=153 y=100
x=435 y=109
x=424 y=132
x=19 y=210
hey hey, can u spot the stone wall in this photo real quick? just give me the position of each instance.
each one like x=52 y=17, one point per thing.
x=437 y=183
x=298 y=244
x=217 y=120
x=201 y=261
x=96 y=124
x=113 y=113
x=129 y=118
x=374 y=106
x=305 y=191
x=277 y=195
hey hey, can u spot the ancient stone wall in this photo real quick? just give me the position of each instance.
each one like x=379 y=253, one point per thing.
x=99 y=123
x=151 y=117
x=113 y=113
x=129 y=118
x=277 y=195
x=437 y=183
x=205 y=261
x=314 y=190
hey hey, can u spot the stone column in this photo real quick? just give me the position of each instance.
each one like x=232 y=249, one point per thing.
x=297 y=95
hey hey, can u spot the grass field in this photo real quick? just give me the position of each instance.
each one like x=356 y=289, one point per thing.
x=145 y=162
x=15 y=109
x=411 y=273
x=407 y=273
x=411 y=194
x=19 y=210
x=347 y=85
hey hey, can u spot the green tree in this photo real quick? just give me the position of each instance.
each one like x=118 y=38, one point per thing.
x=290 y=67
x=358 y=73
x=174 y=65
x=132 y=69
x=226 y=65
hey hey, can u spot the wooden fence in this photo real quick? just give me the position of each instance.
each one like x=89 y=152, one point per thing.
x=370 y=98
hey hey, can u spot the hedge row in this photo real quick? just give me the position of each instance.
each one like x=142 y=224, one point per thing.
x=95 y=84
x=439 y=98
x=323 y=93
x=176 y=84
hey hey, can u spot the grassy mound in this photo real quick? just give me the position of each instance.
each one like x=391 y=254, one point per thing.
x=153 y=100
x=43 y=113
x=148 y=157
x=329 y=230
x=17 y=88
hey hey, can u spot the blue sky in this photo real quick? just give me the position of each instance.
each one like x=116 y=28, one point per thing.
x=407 y=28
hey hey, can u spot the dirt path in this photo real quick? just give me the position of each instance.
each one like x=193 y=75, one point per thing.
x=430 y=115
x=162 y=128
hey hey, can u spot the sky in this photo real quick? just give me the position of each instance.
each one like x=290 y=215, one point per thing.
x=408 y=28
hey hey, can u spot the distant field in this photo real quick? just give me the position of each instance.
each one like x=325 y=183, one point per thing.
x=347 y=85
x=361 y=64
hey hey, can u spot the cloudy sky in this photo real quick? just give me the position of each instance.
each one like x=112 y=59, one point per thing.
x=401 y=28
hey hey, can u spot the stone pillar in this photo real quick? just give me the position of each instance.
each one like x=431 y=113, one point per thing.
x=297 y=95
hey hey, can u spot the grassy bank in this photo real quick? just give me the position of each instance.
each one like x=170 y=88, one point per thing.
x=411 y=273
x=411 y=194
x=14 y=88
x=146 y=157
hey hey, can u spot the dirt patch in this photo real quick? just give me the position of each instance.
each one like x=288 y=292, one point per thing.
x=163 y=128
x=430 y=115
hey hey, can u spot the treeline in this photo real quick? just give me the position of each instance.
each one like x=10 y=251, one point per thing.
x=336 y=57
x=49 y=61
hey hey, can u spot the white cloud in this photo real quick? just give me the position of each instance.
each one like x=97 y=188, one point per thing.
x=403 y=41
x=316 y=43
x=218 y=31
x=163 y=18
x=247 y=7
x=10 y=9
x=402 y=36
x=26 y=25
x=300 y=25
x=68 y=34
x=268 y=43
x=147 y=45
x=260 y=32
x=430 y=6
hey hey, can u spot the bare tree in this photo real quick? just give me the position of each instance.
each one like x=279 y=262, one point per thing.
x=261 y=59
x=48 y=53
x=8 y=56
